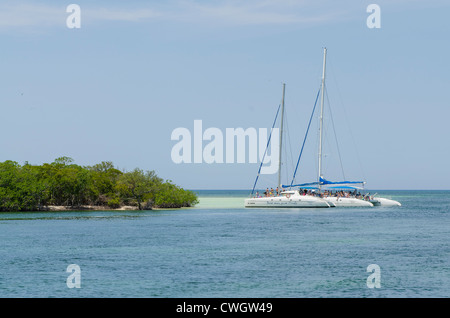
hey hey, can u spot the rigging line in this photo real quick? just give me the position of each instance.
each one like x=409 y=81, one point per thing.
x=265 y=151
x=304 y=140
x=348 y=125
x=335 y=135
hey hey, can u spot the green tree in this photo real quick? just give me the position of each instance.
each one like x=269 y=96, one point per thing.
x=104 y=181
x=170 y=195
x=139 y=185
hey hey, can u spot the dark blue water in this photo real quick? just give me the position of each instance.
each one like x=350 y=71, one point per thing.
x=220 y=249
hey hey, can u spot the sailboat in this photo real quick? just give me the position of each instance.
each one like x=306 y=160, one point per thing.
x=320 y=193
x=346 y=193
x=343 y=197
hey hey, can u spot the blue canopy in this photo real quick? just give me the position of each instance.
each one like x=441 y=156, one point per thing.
x=324 y=182
x=343 y=188
x=328 y=184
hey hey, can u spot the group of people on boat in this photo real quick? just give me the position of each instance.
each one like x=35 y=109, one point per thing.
x=269 y=193
x=326 y=193
x=346 y=194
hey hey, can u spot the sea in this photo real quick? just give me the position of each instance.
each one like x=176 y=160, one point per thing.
x=219 y=249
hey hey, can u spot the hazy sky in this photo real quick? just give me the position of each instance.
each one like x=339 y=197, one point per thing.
x=116 y=88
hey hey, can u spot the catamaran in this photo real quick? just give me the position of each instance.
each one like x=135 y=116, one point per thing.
x=320 y=193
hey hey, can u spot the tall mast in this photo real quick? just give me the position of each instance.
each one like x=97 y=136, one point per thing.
x=281 y=138
x=321 y=117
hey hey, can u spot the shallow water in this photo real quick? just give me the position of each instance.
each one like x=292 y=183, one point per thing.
x=220 y=249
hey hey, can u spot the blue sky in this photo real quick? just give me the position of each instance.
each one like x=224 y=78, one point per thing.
x=115 y=89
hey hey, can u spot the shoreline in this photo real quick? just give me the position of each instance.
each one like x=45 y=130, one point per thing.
x=62 y=208
x=90 y=208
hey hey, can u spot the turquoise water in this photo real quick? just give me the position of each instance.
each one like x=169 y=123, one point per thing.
x=220 y=249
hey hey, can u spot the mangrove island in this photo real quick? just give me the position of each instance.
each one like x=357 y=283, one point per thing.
x=63 y=185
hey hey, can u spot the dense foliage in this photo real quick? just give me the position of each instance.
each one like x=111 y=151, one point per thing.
x=63 y=183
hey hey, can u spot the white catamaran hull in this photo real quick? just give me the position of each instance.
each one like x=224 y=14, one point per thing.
x=348 y=202
x=295 y=201
x=384 y=202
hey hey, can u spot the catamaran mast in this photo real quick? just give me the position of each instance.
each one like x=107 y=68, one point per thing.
x=321 y=117
x=281 y=138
